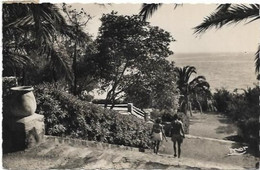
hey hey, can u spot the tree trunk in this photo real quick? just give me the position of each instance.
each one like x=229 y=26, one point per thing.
x=112 y=103
x=186 y=105
x=107 y=98
x=185 y=109
x=197 y=100
x=75 y=68
x=190 y=109
x=54 y=75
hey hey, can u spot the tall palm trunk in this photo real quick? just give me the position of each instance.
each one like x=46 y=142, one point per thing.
x=187 y=106
x=190 y=108
x=197 y=100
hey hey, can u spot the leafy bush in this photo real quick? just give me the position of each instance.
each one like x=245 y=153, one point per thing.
x=84 y=95
x=222 y=99
x=67 y=115
x=8 y=82
x=244 y=110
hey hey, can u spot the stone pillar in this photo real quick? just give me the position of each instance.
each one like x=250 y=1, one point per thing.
x=147 y=116
x=26 y=132
x=130 y=107
x=22 y=127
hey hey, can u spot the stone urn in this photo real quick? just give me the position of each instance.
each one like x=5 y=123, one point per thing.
x=23 y=102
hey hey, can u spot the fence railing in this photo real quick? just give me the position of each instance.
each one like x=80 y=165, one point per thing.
x=130 y=108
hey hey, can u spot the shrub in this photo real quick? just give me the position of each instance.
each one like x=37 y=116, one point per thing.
x=67 y=115
x=84 y=95
x=222 y=98
x=8 y=82
x=243 y=109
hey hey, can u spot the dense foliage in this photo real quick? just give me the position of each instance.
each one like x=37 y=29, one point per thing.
x=154 y=87
x=31 y=30
x=243 y=109
x=191 y=88
x=40 y=45
x=67 y=115
x=222 y=99
x=130 y=52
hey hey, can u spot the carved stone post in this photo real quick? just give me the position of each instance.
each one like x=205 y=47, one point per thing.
x=147 y=116
x=130 y=107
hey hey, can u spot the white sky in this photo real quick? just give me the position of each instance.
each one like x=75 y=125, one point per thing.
x=179 y=22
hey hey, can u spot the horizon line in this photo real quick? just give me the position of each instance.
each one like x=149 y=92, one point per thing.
x=214 y=52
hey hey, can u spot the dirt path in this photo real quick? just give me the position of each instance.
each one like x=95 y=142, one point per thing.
x=60 y=156
x=205 y=150
x=205 y=141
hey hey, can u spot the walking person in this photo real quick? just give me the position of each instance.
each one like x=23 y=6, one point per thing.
x=157 y=135
x=177 y=134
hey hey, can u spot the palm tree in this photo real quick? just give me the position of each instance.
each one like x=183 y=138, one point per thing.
x=33 y=29
x=190 y=87
x=231 y=14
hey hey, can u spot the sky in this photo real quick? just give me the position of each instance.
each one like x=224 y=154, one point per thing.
x=180 y=23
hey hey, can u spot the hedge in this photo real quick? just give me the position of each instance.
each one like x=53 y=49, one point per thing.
x=67 y=115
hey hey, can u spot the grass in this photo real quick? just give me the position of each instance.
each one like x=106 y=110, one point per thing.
x=212 y=126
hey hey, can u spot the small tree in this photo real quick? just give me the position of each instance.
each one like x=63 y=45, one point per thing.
x=78 y=20
x=155 y=86
x=125 y=45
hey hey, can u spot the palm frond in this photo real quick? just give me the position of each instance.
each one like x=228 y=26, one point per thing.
x=17 y=59
x=198 y=79
x=189 y=70
x=60 y=64
x=223 y=7
x=229 y=14
x=199 y=84
x=183 y=75
x=257 y=60
x=147 y=10
x=21 y=22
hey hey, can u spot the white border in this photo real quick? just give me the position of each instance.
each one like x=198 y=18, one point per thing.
x=153 y=1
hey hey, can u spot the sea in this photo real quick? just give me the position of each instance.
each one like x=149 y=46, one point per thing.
x=222 y=70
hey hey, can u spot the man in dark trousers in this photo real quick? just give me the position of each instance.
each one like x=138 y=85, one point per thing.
x=177 y=134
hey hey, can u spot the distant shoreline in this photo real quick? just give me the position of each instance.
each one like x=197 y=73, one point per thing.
x=203 y=53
